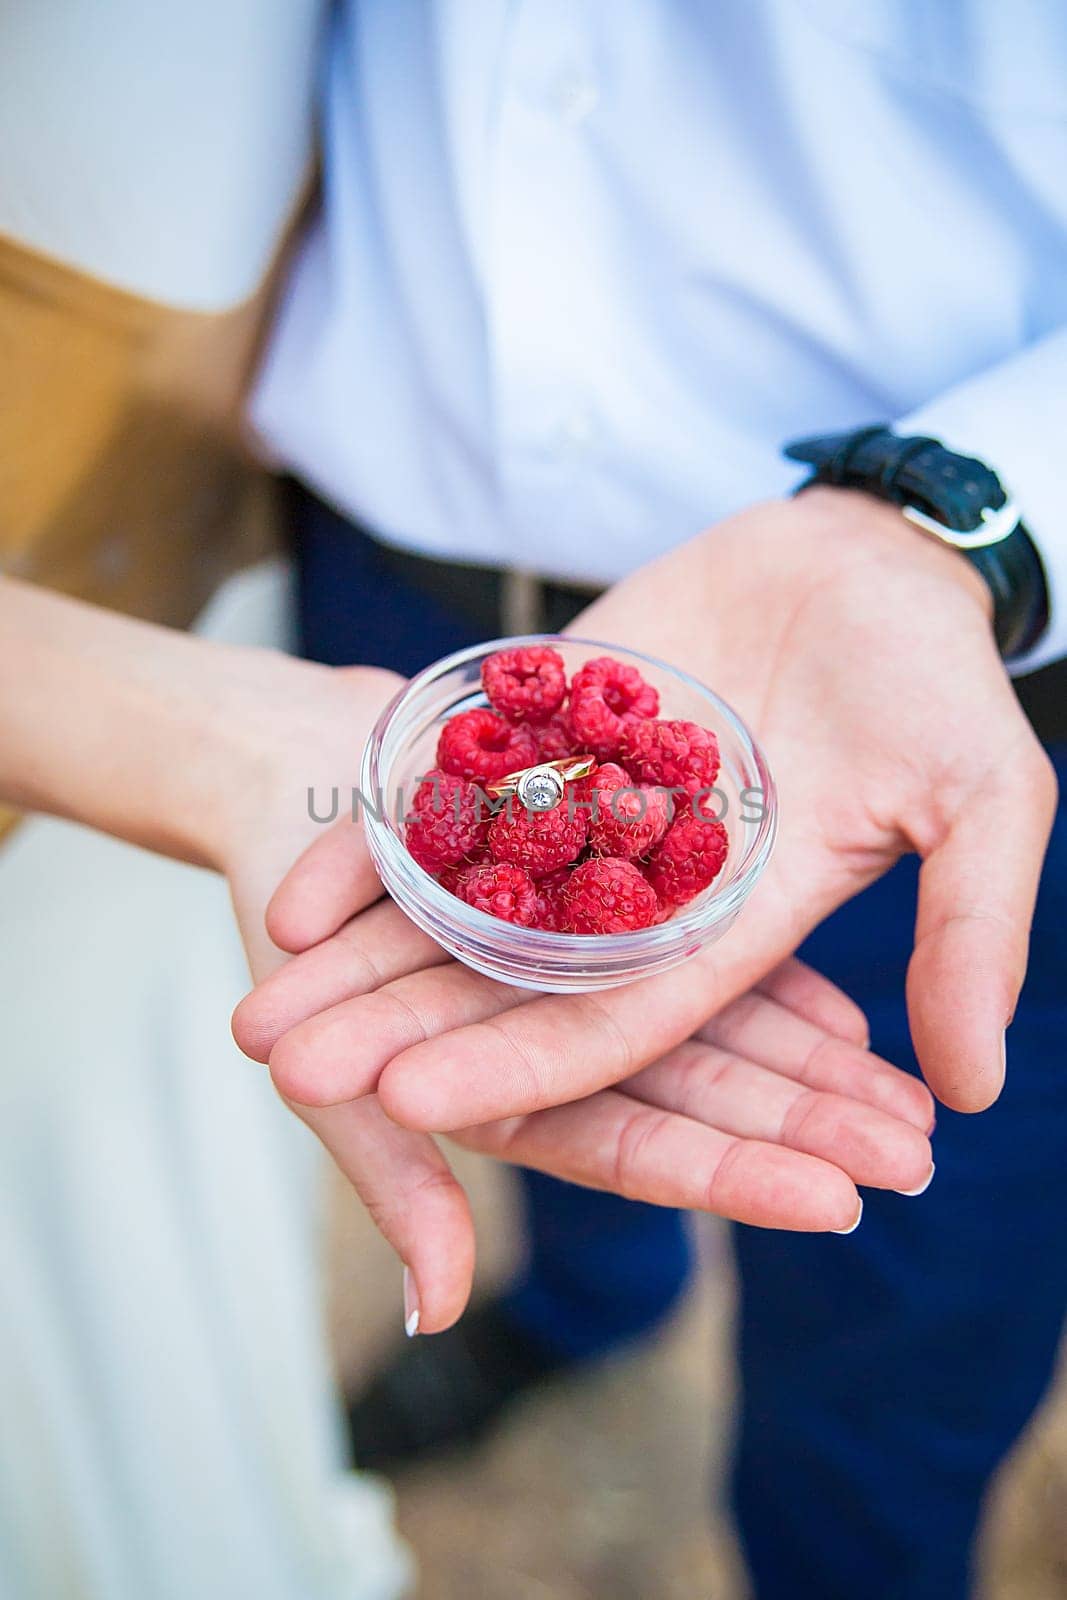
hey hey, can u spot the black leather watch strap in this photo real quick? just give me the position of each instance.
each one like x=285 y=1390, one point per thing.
x=955 y=493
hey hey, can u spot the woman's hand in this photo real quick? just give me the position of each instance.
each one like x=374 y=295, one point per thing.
x=771 y=1116
x=205 y=752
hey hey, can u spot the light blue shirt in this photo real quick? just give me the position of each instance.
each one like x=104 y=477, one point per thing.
x=584 y=265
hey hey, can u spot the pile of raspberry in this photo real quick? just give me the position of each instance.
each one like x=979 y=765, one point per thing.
x=626 y=846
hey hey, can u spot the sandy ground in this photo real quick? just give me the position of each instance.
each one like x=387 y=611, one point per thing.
x=600 y=1490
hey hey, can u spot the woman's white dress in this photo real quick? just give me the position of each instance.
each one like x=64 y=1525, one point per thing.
x=168 y=1427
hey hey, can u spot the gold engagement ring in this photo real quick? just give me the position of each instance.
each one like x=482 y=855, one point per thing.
x=542 y=787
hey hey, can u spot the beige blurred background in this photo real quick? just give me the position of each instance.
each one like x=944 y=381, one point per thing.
x=603 y=1489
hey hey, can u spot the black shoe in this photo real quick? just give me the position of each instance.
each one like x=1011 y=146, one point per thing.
x=446 y=1390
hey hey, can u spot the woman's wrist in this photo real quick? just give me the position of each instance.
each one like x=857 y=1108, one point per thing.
x=158 y=737
x=246 y=724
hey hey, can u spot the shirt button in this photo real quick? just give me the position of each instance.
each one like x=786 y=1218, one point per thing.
x=575 y=97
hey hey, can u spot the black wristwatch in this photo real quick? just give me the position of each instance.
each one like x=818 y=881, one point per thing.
x=953 y=498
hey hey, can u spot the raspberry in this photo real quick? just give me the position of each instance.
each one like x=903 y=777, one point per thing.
x=605 y=696
x=554 y=738
x=525 y=684
x=551 y=910
x=605 y=778
x=627 y=818
x=480 y=744
x=448 y=877
x=678 y=755
x=502 y=890
x=448 y=821
x=607 y=895
x=690 y=856
x=540 y=841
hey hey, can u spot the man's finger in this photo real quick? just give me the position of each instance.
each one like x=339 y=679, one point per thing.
x=799 y=987
x=760 y=1030
x=977 y=890
x=613 y=1142
x=715 y=1086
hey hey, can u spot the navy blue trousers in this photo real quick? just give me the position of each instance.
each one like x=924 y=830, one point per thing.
x=885 y=1374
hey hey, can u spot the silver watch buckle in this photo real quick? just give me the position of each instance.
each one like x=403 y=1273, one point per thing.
x=996 y=526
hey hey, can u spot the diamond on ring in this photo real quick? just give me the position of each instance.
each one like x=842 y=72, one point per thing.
x=540 y=788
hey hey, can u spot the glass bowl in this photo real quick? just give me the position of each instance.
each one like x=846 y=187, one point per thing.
x=401 y=750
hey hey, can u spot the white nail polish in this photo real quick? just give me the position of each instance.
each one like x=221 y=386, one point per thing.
x=855 y=1225
x=411 y=1305
x=1004 y=1051
x=927 y=1181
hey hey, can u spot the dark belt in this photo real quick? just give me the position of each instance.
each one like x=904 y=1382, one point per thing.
x=505 y=602
x=497 y=601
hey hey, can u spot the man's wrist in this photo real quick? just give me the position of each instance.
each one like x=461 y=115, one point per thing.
x=954 y=499
x=860 y=521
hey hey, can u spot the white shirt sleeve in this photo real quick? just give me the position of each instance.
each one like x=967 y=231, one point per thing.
x=1014 y=417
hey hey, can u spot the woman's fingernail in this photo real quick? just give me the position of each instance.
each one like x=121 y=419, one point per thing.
x=855 y=1225
x=1004 y=1051
x=411 y=1305
x=927 y=1181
